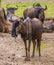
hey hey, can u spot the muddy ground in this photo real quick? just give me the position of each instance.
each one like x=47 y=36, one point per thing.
x=12 y=51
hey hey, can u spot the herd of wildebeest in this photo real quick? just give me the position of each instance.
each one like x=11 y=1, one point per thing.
x=30 y=26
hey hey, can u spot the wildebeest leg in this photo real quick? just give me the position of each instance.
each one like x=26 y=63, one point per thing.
x=34 y=44
x=15 y=24
x=25 y=47
x=38 y=46
x=29 y=44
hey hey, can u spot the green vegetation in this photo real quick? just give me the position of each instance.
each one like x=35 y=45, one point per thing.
x=21 y=6
x=0 y=2
x=43 y=44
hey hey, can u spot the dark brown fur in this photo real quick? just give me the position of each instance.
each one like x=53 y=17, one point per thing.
x=3 y=23
x=31 y=30
x=31 y=12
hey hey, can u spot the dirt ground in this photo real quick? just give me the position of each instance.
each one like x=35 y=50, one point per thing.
x=12 y=51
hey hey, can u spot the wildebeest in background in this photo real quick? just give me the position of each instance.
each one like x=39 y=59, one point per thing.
x=12 y=17
x=10 y=11
x=31 y=30
x=3 y=19
x=37 y=11
x=48 y=25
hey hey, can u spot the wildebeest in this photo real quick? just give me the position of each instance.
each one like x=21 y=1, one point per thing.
x=31 y=30
x=11 y=11
x=37 y=11
x=48 y=26
x=3 y=19
x=13 y=18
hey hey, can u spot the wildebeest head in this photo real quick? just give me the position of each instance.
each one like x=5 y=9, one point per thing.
x=41 y=15
x=10 y=12
x=40 y=11
x=39 y=6
x=11 y=9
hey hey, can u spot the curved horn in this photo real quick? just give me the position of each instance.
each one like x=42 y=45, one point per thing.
x=42 y=8
x=7 y=6
x=34 y=4
x=45 y=8
x=16 y=6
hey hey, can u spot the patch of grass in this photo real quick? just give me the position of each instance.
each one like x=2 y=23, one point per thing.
x=43 y=44
x=22 y=6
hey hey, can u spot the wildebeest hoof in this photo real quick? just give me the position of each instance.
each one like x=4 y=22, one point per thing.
x=32 y=56
x=27 y=59
x=14 y=35
x=40 y=55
